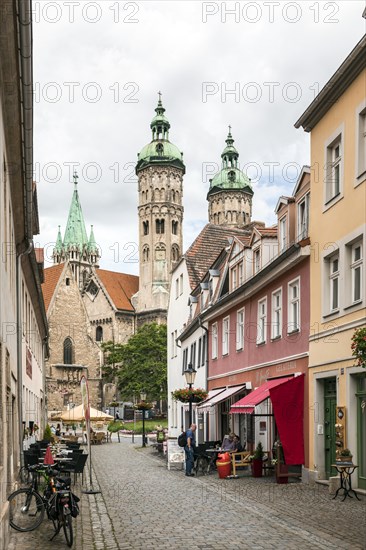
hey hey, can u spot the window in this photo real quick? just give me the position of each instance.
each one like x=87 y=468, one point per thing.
x=175 y=253
x=214 y=341
x=67 y=281
x=145 y=254
x=145 y=228
x=160 y=226
x=175 y=228
x=303 y=218
x=257 y=260
x=185 y=360
x=277 y=314
x=283 y=234
x=172 y=345
x=334 y=282
x=193 y=354
x=99 y=334
x=293 y=309
x=204 y=346
x=356 y=271
x=233 y=278
x=181 y=284
x=225 y=335
x=262 y=321
x=199 y=352
x=361 y=168
x=240 y=329
x=334 y=166
x=241 y=273
x=68 y=352
x=176 y=288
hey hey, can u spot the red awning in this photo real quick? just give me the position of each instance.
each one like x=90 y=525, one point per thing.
x=287 y=396
x=246 y=404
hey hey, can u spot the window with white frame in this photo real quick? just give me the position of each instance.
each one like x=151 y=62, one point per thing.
x=293 y=307
x=262 y=321
x=334 y=169
x=361 y=168
x=184 y=360
x=257 y=260
x=214 y=341
x=193 y=354
x=181 y=284
x=176 y=288
x=334 y=282
x=303 y=217
x=240 y=329
x=277 y=314
x=225 y=335
x=233 y=278
x=240 y=273
x=204 y=344
x=283 y=233
x=172 y=345
x=356 y=271
x=199 y=352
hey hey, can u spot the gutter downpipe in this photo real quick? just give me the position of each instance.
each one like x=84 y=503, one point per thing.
x=207 y=333
x=25 y=45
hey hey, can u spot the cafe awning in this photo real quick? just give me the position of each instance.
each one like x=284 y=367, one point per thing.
x=246 y=404
x=211 y=394
x=221 y=396
x=287 y=396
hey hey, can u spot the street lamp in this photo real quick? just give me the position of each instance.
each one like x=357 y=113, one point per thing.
x=143 y=399
x=190 y=375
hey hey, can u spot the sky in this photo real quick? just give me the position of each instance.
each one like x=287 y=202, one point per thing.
x=98 y=67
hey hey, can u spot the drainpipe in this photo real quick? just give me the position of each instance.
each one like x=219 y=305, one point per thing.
x=24 y=39
x=207 y=332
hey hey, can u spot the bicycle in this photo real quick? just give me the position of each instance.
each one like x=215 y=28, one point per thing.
x=27 y=506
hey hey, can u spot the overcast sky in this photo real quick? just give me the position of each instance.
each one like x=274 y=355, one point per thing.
x=99 y=65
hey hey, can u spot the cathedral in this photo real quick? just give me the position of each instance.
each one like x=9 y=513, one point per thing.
x=87 y=305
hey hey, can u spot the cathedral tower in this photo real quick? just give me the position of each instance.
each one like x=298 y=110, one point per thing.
x=230 y=194
x=81 y=251
x=160 y=171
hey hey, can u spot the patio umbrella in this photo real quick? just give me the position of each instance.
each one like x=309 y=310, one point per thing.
x=77 y=415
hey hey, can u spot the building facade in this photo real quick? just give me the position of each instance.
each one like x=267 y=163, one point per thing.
x=337 y=386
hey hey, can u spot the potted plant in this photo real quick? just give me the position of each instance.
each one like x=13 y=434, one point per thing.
x=185 y=395
x=47 y=434
x=257 y=461
x=344 y=455
x=359 y=346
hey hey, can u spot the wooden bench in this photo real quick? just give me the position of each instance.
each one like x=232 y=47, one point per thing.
x=239 y=460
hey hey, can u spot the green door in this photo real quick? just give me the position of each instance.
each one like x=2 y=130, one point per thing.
x=330 y=403
x=361 y=430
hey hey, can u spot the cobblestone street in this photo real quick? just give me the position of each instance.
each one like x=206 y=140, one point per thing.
x=142 y=505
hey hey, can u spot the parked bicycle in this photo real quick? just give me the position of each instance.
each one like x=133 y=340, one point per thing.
x=27 y=506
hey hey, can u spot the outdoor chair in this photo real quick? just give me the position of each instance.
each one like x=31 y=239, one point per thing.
x=79 y=466
x=30 y=459
x=99 y=438
x=239 y=460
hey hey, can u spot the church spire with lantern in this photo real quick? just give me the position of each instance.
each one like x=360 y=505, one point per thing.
x=81 y=251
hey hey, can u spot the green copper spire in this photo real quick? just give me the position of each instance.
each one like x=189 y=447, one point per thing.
x=75 y=234
x=230 y=176
x=58 y=247
x=160 y=150
x=92 y=245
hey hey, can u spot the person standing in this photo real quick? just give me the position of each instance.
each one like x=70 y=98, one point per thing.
x=189 y=449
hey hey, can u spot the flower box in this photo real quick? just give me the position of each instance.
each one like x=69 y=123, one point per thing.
x=186 y=395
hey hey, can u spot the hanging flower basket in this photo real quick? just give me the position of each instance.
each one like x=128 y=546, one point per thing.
x=143 y=406
x=185 y=395
x=358 y=346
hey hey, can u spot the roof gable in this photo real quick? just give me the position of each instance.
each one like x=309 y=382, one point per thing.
x=52 y=276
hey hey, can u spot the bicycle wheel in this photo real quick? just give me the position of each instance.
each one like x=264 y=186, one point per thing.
x=26 y=510
x=67 y=525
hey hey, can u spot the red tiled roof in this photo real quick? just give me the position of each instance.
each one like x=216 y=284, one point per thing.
x=120 y=287
x=51 y=278
x=268 y=231
x=205 y=249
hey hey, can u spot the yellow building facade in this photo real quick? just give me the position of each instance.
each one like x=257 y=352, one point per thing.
x=337 y=387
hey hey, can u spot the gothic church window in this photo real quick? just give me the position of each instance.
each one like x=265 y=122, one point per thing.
x=159 y=226
x=99 y=334
x=175 y=253
x=68 y=352
x=145 y=227
x=145 y=254
x=174 y=227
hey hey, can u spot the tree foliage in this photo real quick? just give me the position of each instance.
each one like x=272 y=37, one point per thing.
x=141 y=364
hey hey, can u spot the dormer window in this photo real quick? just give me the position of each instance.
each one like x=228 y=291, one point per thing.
x=160 y=147
x=257 y=260
x=231 y=176
x=283 y=233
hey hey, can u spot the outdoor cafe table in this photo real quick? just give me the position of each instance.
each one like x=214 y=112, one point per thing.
x=345 y=472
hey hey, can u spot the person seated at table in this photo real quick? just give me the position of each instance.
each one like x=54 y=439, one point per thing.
x=238 y=447
x=58 y=430
x=228 y=443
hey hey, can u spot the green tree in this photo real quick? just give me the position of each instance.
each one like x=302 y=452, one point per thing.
x=141 y=364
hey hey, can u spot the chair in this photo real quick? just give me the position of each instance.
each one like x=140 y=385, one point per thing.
x=239 y=460
x=79 y=466
x=99 y=438
x=30 y=459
